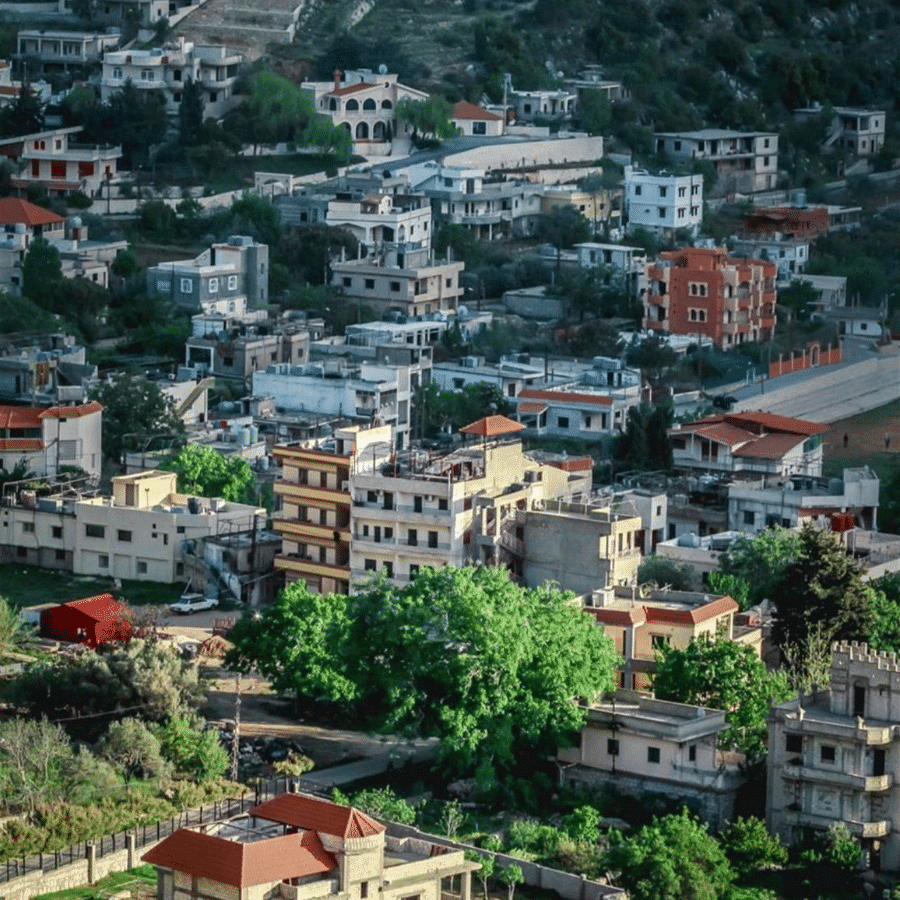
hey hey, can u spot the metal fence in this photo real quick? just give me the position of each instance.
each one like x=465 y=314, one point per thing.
x=216 y=811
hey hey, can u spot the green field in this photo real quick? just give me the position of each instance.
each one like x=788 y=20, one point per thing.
x=27 y=586
x=141 y=882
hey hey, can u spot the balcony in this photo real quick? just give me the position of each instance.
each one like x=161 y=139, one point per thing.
x=306 y=567
x=862 y=829
x=307 y=493
x=300 y=530
x=867 y=783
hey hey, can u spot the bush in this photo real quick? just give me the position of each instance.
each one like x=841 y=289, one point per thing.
x=382 y=802
x=77 y=200
x=527 y=834
x=750 y=847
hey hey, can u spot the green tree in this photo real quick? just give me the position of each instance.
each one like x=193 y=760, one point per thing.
x=594 y=112
x=652 y=355
x=511 y=876
x=204 y=471
x=24 y=116
x=822 y=586
x=14 y=635
x=130 y=745
x=563 y=226
x=41 y=272
x=190 y=114
x=885 y=599
x=661 y=571
x=674 y=858
x=842 y=849
x=437 y=409
x=249 y=214
x=135 y=411
x=385 y=804
x=736 y=588
x=750 y=847
x=307 y=253
x=34 y=759
x=429 y=118
x=760 y=560
x=487 y=871
x=192 y=750
x=645 y=442
x=723 y=674
x=583 y=824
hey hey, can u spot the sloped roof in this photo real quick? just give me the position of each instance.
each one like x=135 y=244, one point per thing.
x=14 y=210
x=20 y=417
x=771 y=422
x=71 y=412
x=770 y=446
x=492 y=426
x=100 y=607
x=242 y=864
x=303 y=811
x=466 y=110
x=352 y=89
x=695 y=615
x=724 y=433
x=527 y=407
x=566 y=397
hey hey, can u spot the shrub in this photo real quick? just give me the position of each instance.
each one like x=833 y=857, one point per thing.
x=750 y=847
x=530 y=835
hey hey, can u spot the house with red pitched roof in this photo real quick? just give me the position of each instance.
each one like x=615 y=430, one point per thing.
x=301 y=847
x=749 y=445
x=475 y=121
x=92 y=620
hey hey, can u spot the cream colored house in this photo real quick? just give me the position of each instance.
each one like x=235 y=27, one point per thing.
x=299 y=847
x=634 y=744
x=833 y=756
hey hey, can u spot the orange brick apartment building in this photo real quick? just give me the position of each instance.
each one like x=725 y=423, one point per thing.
x=705 y=292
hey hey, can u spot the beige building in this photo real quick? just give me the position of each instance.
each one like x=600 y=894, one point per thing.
x=633 y=744
x=299 y=847
x=833 y=756
x=602 y=207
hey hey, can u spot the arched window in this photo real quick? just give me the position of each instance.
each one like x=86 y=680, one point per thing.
x=332 y=104
x=362 y=131
x=352 y=105
x=347 y=126
x=369 y=104
x=378 y=131
x=386 y=104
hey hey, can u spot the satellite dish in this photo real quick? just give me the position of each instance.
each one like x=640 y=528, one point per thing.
x=462 y=311
x=560 y=74
x=382 y=69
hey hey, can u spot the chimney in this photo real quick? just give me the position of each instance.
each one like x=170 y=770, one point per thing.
x=337 y=79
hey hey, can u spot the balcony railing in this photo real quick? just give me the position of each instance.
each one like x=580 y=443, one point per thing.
x=867 y=783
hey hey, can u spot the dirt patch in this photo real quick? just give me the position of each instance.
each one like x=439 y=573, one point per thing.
x=871 y=438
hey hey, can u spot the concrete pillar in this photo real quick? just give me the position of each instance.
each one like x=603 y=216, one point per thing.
x=91 y=856
x=131 y=846
x=466 y=886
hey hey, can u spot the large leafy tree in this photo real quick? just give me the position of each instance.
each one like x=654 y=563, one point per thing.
x=130 y=745
x=563 y=227
x=437 y=409
x=41 y=273
x=645 y=444
x=821 y=588
x=462 y=654
x=190 y=114
x=723 y=674
x=674 y=858
x=202 y=470
x=761 y=561
x=429 y=118
x=135 y=411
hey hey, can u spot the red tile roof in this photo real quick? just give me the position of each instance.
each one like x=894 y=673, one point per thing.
x=241 y=864
x=492 y=426
x=303 y=811
x=770 y=446
x=566 y=397
x=637 y=615
x=351 y=89
x=71 y=412
x=14 y=210
x=724 y=433
x=527 y=407
x=577 y=464
x=766 y=421
x=100 y=607
x=465 y=110
x=20 y=417
x=26 y=445
x=641 y=613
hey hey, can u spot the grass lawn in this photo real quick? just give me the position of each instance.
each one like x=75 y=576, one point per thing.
x=140 y=881
x=865 y=442
x=27 y=586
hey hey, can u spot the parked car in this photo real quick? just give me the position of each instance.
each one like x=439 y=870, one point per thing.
x=190 y=603
x=724 y=401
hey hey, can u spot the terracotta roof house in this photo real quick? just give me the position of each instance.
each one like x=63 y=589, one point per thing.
x=92 y=620
x=749 y=444
x=300 y=847
x=34 y=220
x=473 y=120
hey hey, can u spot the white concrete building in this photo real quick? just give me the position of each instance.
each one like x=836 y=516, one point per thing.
x=663 y=203
x=790 y=255
x=833 y=756
x=168 y=68
x=41 y=51
x=618 y=261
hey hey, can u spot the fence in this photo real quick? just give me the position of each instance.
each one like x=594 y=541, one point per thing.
x=89 y=855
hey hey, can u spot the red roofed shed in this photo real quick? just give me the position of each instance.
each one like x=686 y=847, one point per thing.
x=91 y=620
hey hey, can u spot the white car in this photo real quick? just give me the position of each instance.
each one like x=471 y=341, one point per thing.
x=190 y=603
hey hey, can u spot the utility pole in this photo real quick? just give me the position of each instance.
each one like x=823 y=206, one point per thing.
x=236 y=736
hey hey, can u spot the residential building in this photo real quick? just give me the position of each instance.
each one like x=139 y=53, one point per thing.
x=42 y=51
x=663 y=203
x=301 y=847
x=805 y=223
x=363 y=102
x=314 y=517
x=510 y=375
x=745 y=162
x=833 y=756
x=226 y=279
x=831 y=291
x=472 y=120
x=362 y=390
x=641 y=621
x=118 y=12
x=601 y=207
x=453 y=507
x=420 y=330
x=704 y=292
x=579 y=546
x=536 y=303
x=635 y=745
x=790 y=255
x=19 y=217
x=42 y=371
x=52 y=438
x=238 y=348
x=532 y=105
x=50 y=160
x=621 y=264
x=590 y=78
x=410 y=283
x=859 y=321
x=748 y=444
x=213 y=67
x=857 y=130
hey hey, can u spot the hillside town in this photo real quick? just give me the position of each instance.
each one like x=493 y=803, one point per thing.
x=417 y=484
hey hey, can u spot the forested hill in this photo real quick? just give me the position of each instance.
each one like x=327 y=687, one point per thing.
x=688 y=63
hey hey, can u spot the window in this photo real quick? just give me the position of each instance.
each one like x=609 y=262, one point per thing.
x=417 y=504
x=388 y=500
x=793 y=743
x=432 y=539
x=364 y=890
x=148 y=75
x=94 y=531
x=692 y=753
x=395 y=286
x=637 y=190
x=179 y=529
x=232 y=282
x=57 y=531
x=479 y=128
x=562 y=421
x=662 y=212
x=186 y=286
x=103 y=561
x=612 y=746
x=371 y=497
x=123 y=535
x=389 y=569
x=749 y=517
x=662 y=191
x=442 y=503
x=28 y=527
x=60 y=554
x=413 y=570
x=370 y=284
x=827 y=753
x=214 y=285
x=141 y=567
x=653 y=754
x=412 y=537
x=117 y=73
x=369 y=565
x=659 y=641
